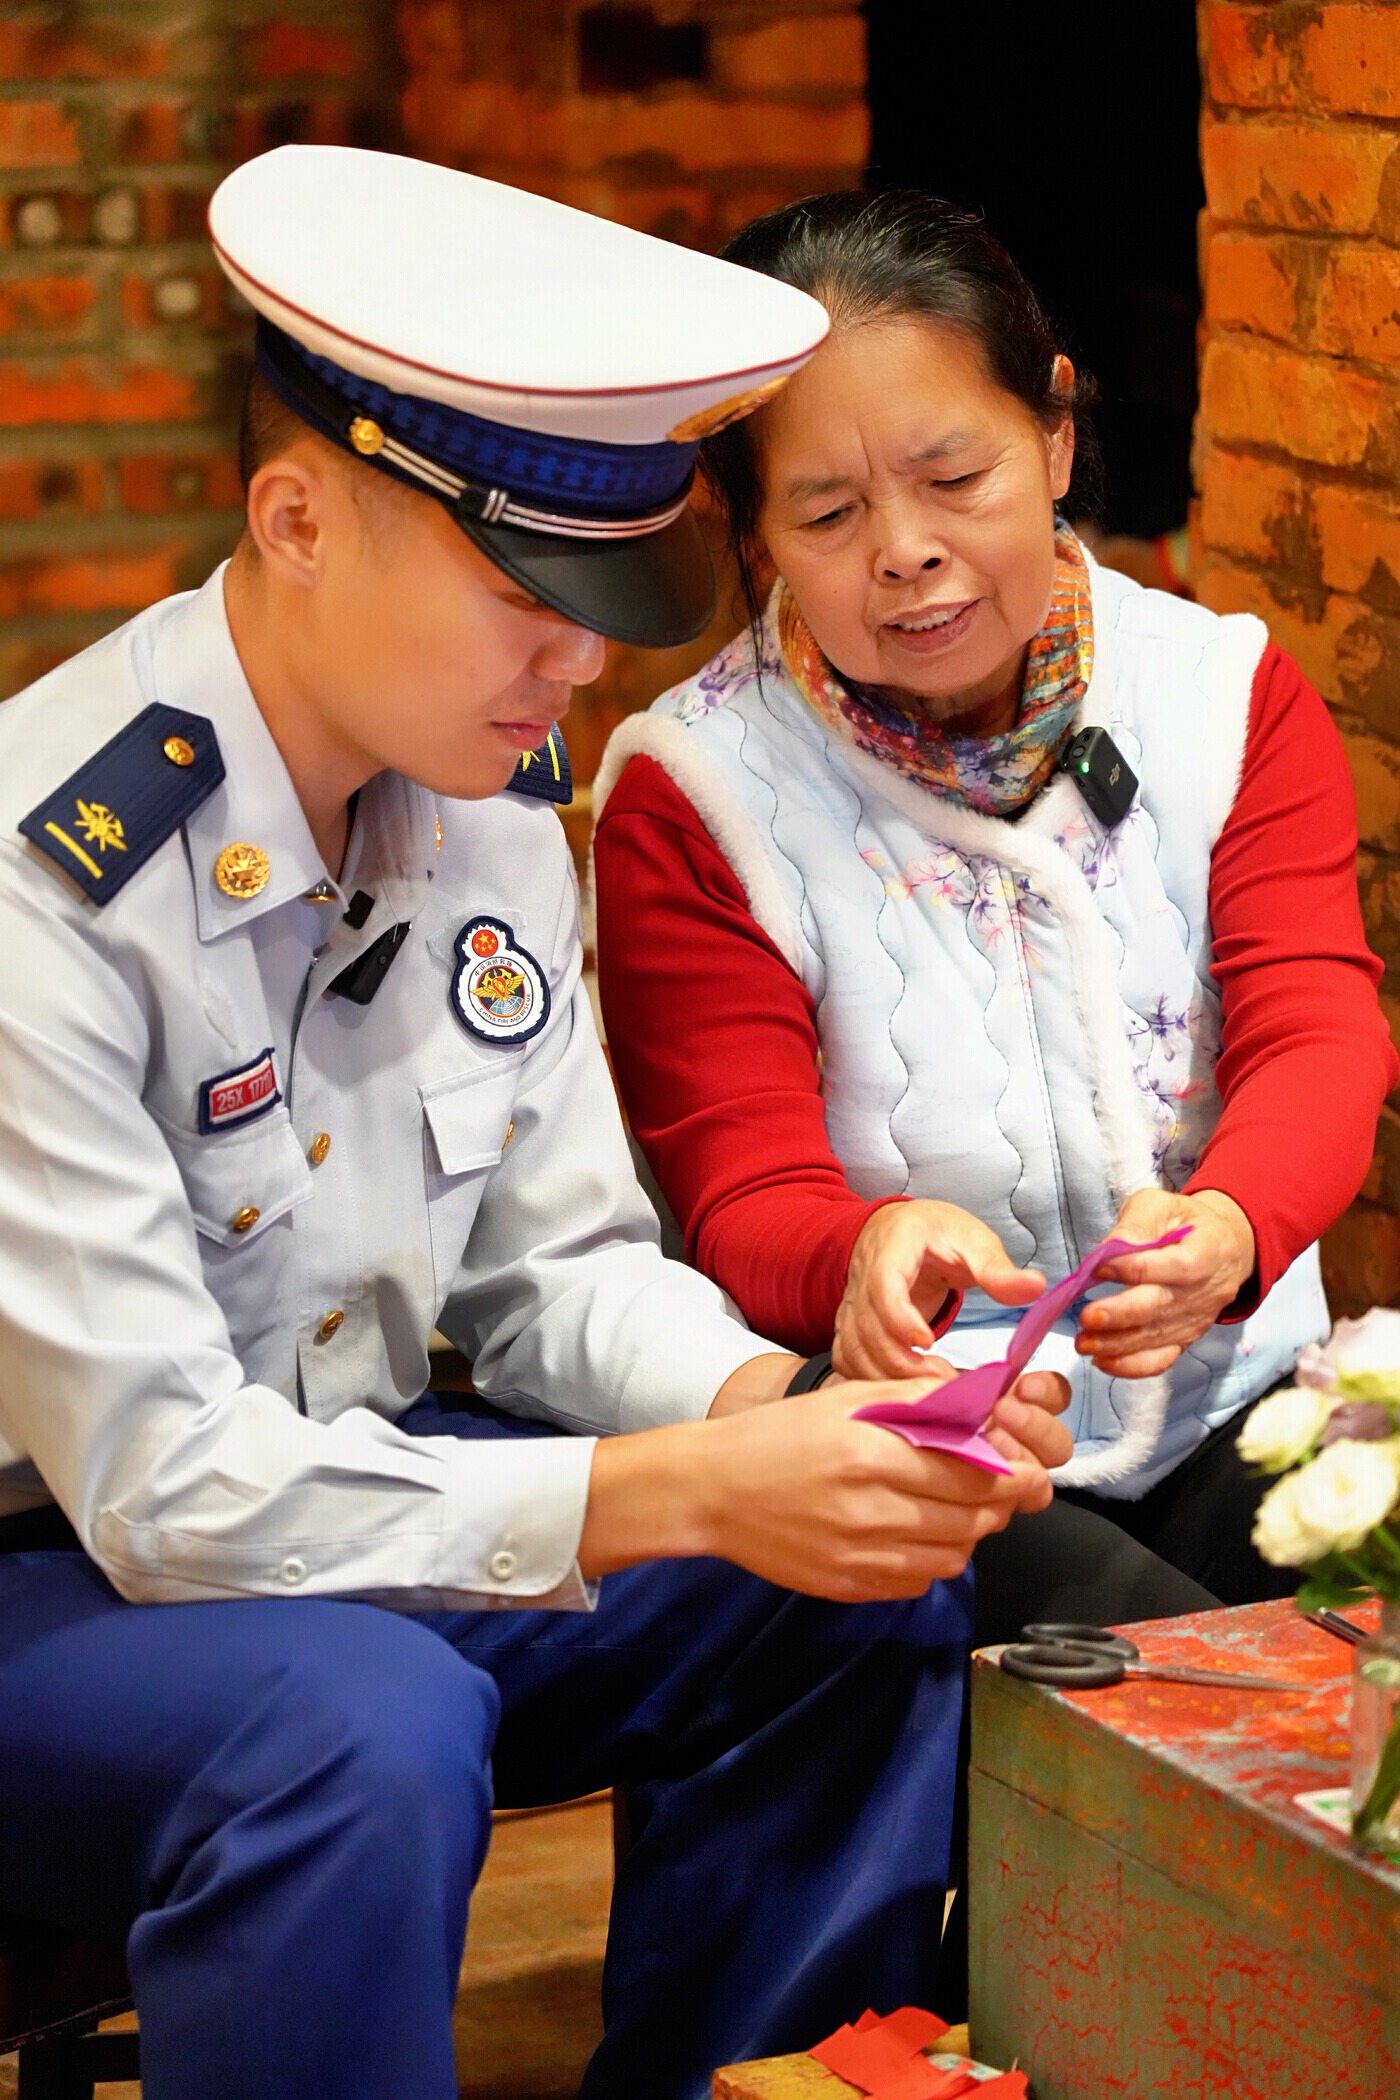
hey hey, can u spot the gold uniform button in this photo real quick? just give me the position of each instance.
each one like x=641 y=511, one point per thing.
x=178 y=751
x=332 y=1324
x=242 y=870
x=320 y=1146
x=366 y=436
x=510 y=1133
x=246 y=1218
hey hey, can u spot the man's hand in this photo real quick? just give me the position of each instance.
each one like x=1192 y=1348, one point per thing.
x=803 y=1496
x=1174 y=1295
x=908 y=1257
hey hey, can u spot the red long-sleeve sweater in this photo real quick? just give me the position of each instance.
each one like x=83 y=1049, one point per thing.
x=714 y=1042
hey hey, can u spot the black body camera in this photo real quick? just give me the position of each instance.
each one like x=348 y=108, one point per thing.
x=1101 y=773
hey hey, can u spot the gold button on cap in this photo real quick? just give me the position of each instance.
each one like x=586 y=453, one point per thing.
x=366 y=436
x=178 y=751
x=246 y=1217
x=242 y=870
x=332 y=1324
x=320 y=1146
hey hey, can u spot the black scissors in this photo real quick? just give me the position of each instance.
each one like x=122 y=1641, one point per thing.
x=1079 y=1658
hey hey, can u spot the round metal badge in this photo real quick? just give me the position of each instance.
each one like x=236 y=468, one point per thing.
x=499 y=991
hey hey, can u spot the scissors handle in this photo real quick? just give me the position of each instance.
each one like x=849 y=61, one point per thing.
x=1071 y=1634
x=1081 y=1668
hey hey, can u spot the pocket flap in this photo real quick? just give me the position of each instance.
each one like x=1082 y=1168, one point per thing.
x=469 y=1116
x=228 y=1175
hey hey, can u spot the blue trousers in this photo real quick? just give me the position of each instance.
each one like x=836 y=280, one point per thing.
x=282 y=1807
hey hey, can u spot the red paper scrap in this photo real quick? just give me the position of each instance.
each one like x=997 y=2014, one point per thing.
x=913 y=2025
x=1010 y=2086
x=868 y=2060
x=884 y=2056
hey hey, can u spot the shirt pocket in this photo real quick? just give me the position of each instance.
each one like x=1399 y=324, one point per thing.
x=244 y=1188
x=467 y=1125
x=241 y=1183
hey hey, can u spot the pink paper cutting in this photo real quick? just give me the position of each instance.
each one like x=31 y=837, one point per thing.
x=952 y=1417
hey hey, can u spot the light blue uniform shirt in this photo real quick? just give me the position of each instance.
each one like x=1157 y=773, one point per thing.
x=180 y=1385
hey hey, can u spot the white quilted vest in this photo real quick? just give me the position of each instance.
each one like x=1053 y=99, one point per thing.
x=1017 y=1017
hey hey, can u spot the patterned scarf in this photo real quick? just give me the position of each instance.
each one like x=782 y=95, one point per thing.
x=996 y=774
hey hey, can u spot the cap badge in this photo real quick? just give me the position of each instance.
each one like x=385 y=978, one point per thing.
x=706 y=421
x=366 y=436
x=499 y=992
x=242 y=870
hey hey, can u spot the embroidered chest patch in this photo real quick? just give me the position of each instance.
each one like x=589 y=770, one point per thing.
x=238 y=1096
x=499 y=991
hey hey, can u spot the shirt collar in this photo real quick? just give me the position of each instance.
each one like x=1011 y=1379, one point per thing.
x=195 y=666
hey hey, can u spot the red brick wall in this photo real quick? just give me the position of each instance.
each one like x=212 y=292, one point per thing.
x=503 y=88
x=122 y=352
x=1298 y=439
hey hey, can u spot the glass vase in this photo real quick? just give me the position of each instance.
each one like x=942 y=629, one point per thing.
x=1375 y=1739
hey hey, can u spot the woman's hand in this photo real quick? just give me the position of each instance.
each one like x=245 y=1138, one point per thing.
x=1174 y=1295
x=908 y=1257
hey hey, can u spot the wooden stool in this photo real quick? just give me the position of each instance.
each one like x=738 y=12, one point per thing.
x=53 y=1991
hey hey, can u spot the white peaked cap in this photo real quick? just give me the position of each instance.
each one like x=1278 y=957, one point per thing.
x=500 y=303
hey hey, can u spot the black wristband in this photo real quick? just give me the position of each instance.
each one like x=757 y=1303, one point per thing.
x=807 y=1377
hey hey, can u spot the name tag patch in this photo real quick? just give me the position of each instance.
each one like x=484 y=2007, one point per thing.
x=499 y=991
x=238 y=1096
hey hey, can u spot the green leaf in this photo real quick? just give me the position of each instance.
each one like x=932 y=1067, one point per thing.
x=1322 y=1592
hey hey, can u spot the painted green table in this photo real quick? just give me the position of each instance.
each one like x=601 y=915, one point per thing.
x=1151 y=1914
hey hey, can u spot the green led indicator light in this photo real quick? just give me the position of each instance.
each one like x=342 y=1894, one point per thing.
x=1083 y=765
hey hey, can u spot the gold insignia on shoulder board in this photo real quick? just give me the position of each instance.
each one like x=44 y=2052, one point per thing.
x=706 y=421
x=99 y=827
x=242 y=870
x=366 y=436
x=178 y=750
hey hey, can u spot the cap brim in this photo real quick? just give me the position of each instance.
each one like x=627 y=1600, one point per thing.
x=653 y=591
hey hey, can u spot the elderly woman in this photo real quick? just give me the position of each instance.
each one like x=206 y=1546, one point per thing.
x=912 y=997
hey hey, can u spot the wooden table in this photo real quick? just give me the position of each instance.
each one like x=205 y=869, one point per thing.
x=1151 y=1914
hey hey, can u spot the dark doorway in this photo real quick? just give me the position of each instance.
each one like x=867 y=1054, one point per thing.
x=1073 y=129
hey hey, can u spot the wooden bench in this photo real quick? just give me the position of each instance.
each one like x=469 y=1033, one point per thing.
x=54 y=1990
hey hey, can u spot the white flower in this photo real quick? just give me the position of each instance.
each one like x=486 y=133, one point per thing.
x=1279 y=1533
x=1283 y=1426
x=1346 y=1491
x=1362 y=1358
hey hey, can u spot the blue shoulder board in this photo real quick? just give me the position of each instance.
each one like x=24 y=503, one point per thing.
x=544 y=775
x=109 y=817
